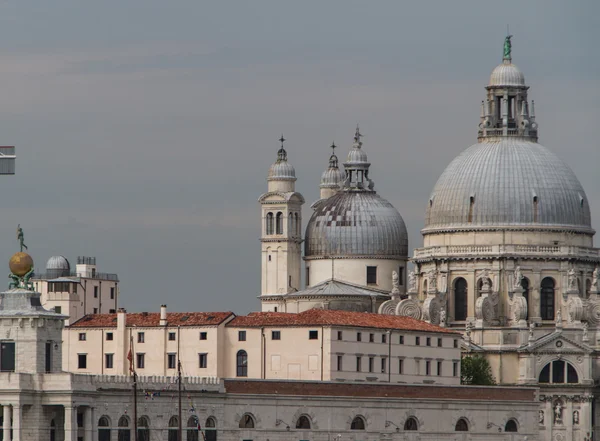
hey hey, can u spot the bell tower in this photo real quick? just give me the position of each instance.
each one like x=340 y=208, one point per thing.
x=281 y=230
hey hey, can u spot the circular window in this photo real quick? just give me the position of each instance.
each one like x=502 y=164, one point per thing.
x=559 y=344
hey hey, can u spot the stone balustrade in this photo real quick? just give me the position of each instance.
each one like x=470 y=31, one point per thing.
x=558 y=251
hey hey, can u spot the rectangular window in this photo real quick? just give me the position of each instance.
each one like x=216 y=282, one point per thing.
x=112 y=293
x=358 y=364
x=371 y=275
x=417 y=367
x=275 y=335
x=339 y=335
x=108 y=361
x=141 y=361
x=172 y=336
x=95 y=311
x=358 y=336
x=140 y=337
x=307 y=276
x=109 y=336
x=401 y=340
x=241 y=335
x=82 y=336
x=339 y=363
x=371 y=364
x=383 y=365
x=171 y=361
x=202 y=361
x=383 y=338
x=95 y=292
x=418 y=341
x=48 y=356
x=58 y=309
x=439 y=368
x=400 y=366
x=427 y=368
x=401 y=276
x=439 y=342
x=203 y=336
x=371 y=338
x=313 y=335
x=82 y=361
x=7 y=356
x=454 y=369
x=428 y=341
x=455 y=344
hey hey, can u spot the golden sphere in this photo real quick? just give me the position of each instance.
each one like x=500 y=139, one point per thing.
x=20 y=264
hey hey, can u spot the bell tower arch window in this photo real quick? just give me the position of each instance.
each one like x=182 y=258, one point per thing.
x=269 y=229
x=547 y=298
x=460 y=299
x=279 y=223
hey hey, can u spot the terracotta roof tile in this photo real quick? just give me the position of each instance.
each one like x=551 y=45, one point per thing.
x=323 y=317
x=151 y=319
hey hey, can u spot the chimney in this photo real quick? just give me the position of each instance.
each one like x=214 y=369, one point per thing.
x=121 y=318
x=163 y=315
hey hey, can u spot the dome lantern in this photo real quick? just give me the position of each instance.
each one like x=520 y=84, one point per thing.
x=332 y=179
x=282 y=174
x=357 y=167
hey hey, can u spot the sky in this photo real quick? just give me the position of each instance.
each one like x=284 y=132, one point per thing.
x=145 y=129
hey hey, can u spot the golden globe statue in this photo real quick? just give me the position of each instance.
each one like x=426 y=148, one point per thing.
x=20 y=264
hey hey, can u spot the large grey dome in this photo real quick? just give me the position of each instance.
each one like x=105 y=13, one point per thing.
x=508 y=182
x=356 y=224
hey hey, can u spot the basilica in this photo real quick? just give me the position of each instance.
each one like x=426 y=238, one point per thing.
x=507 y=256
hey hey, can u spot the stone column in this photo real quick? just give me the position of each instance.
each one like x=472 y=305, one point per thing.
x=70 y=423
x=87 y=424
x=6 y=412
x=17 y=418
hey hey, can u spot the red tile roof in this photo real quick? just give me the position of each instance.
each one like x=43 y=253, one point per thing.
x=151 y=319
x=326 y=317
x=383 y=390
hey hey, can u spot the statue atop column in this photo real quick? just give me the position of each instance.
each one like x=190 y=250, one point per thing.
x=507 y=47
x=21 y=266
x=21 y=237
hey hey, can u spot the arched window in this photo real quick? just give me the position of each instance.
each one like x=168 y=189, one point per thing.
x=525 y=286
x=424 y=293
x=558 y=372
x=460 y=299
x=357 y=424
x=510 y=426
x=588 y=287
x=52 y=431
x=124 y=433
x=242 y=363
x=269 y=228
x=210 y=429
x=247 y=422
x=291 y=226
x=279 y=223
x=303 y=422
x=143 y=429
x=297 y=222
x=173 y=429
x=547 y=299
x=461 y=425
x=104 y=429
x=411 y=424
x=192 y=428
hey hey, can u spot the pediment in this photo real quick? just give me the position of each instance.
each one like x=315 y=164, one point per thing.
x=278 y=196
x=558 y=343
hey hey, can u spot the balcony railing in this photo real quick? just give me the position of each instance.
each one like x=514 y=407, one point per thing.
x=96 y=276
x=501 y=250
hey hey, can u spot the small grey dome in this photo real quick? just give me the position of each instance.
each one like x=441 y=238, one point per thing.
x=282 y=170
x=357 y=155
x=508 y=182
x=58 y=266
x=332 y=178
x=356 y=224
x=507 y=74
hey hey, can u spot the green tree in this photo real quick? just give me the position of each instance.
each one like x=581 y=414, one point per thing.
x=476 y=370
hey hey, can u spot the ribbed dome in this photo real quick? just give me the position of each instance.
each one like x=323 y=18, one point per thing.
x=332 y=177
x=507 y=74
x=359 y=224
x=509 y=182
x=282 y=170
x=58 y=262
x=356 y=155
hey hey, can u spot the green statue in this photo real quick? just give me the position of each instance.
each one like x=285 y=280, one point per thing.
x=507 y=47
x=21 y=237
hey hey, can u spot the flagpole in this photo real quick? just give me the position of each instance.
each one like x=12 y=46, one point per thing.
x=180 y=437
x=132 y=370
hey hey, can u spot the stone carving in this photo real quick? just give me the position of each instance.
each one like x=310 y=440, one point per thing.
x=486 y=282
x=412 y=281
x=595 y=280
x=531 y=329
x=518 y=276
x=388 y=307
x=541 y=417
x=558 y=413
x=443 y=288
x=558 y=317
x=519 y=309
x=585 y=336
x=409 y=308
x=395 y=283
x=431 y=310
x=576 y=417
x=575 y=307
x=593 y=313
x=484 y=309
x=443 y=317
x=432 y=280
x=572 y=278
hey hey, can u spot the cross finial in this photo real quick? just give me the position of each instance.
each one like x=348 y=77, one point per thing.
x=357 y=135
x=282 y=140
x=333 y=147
